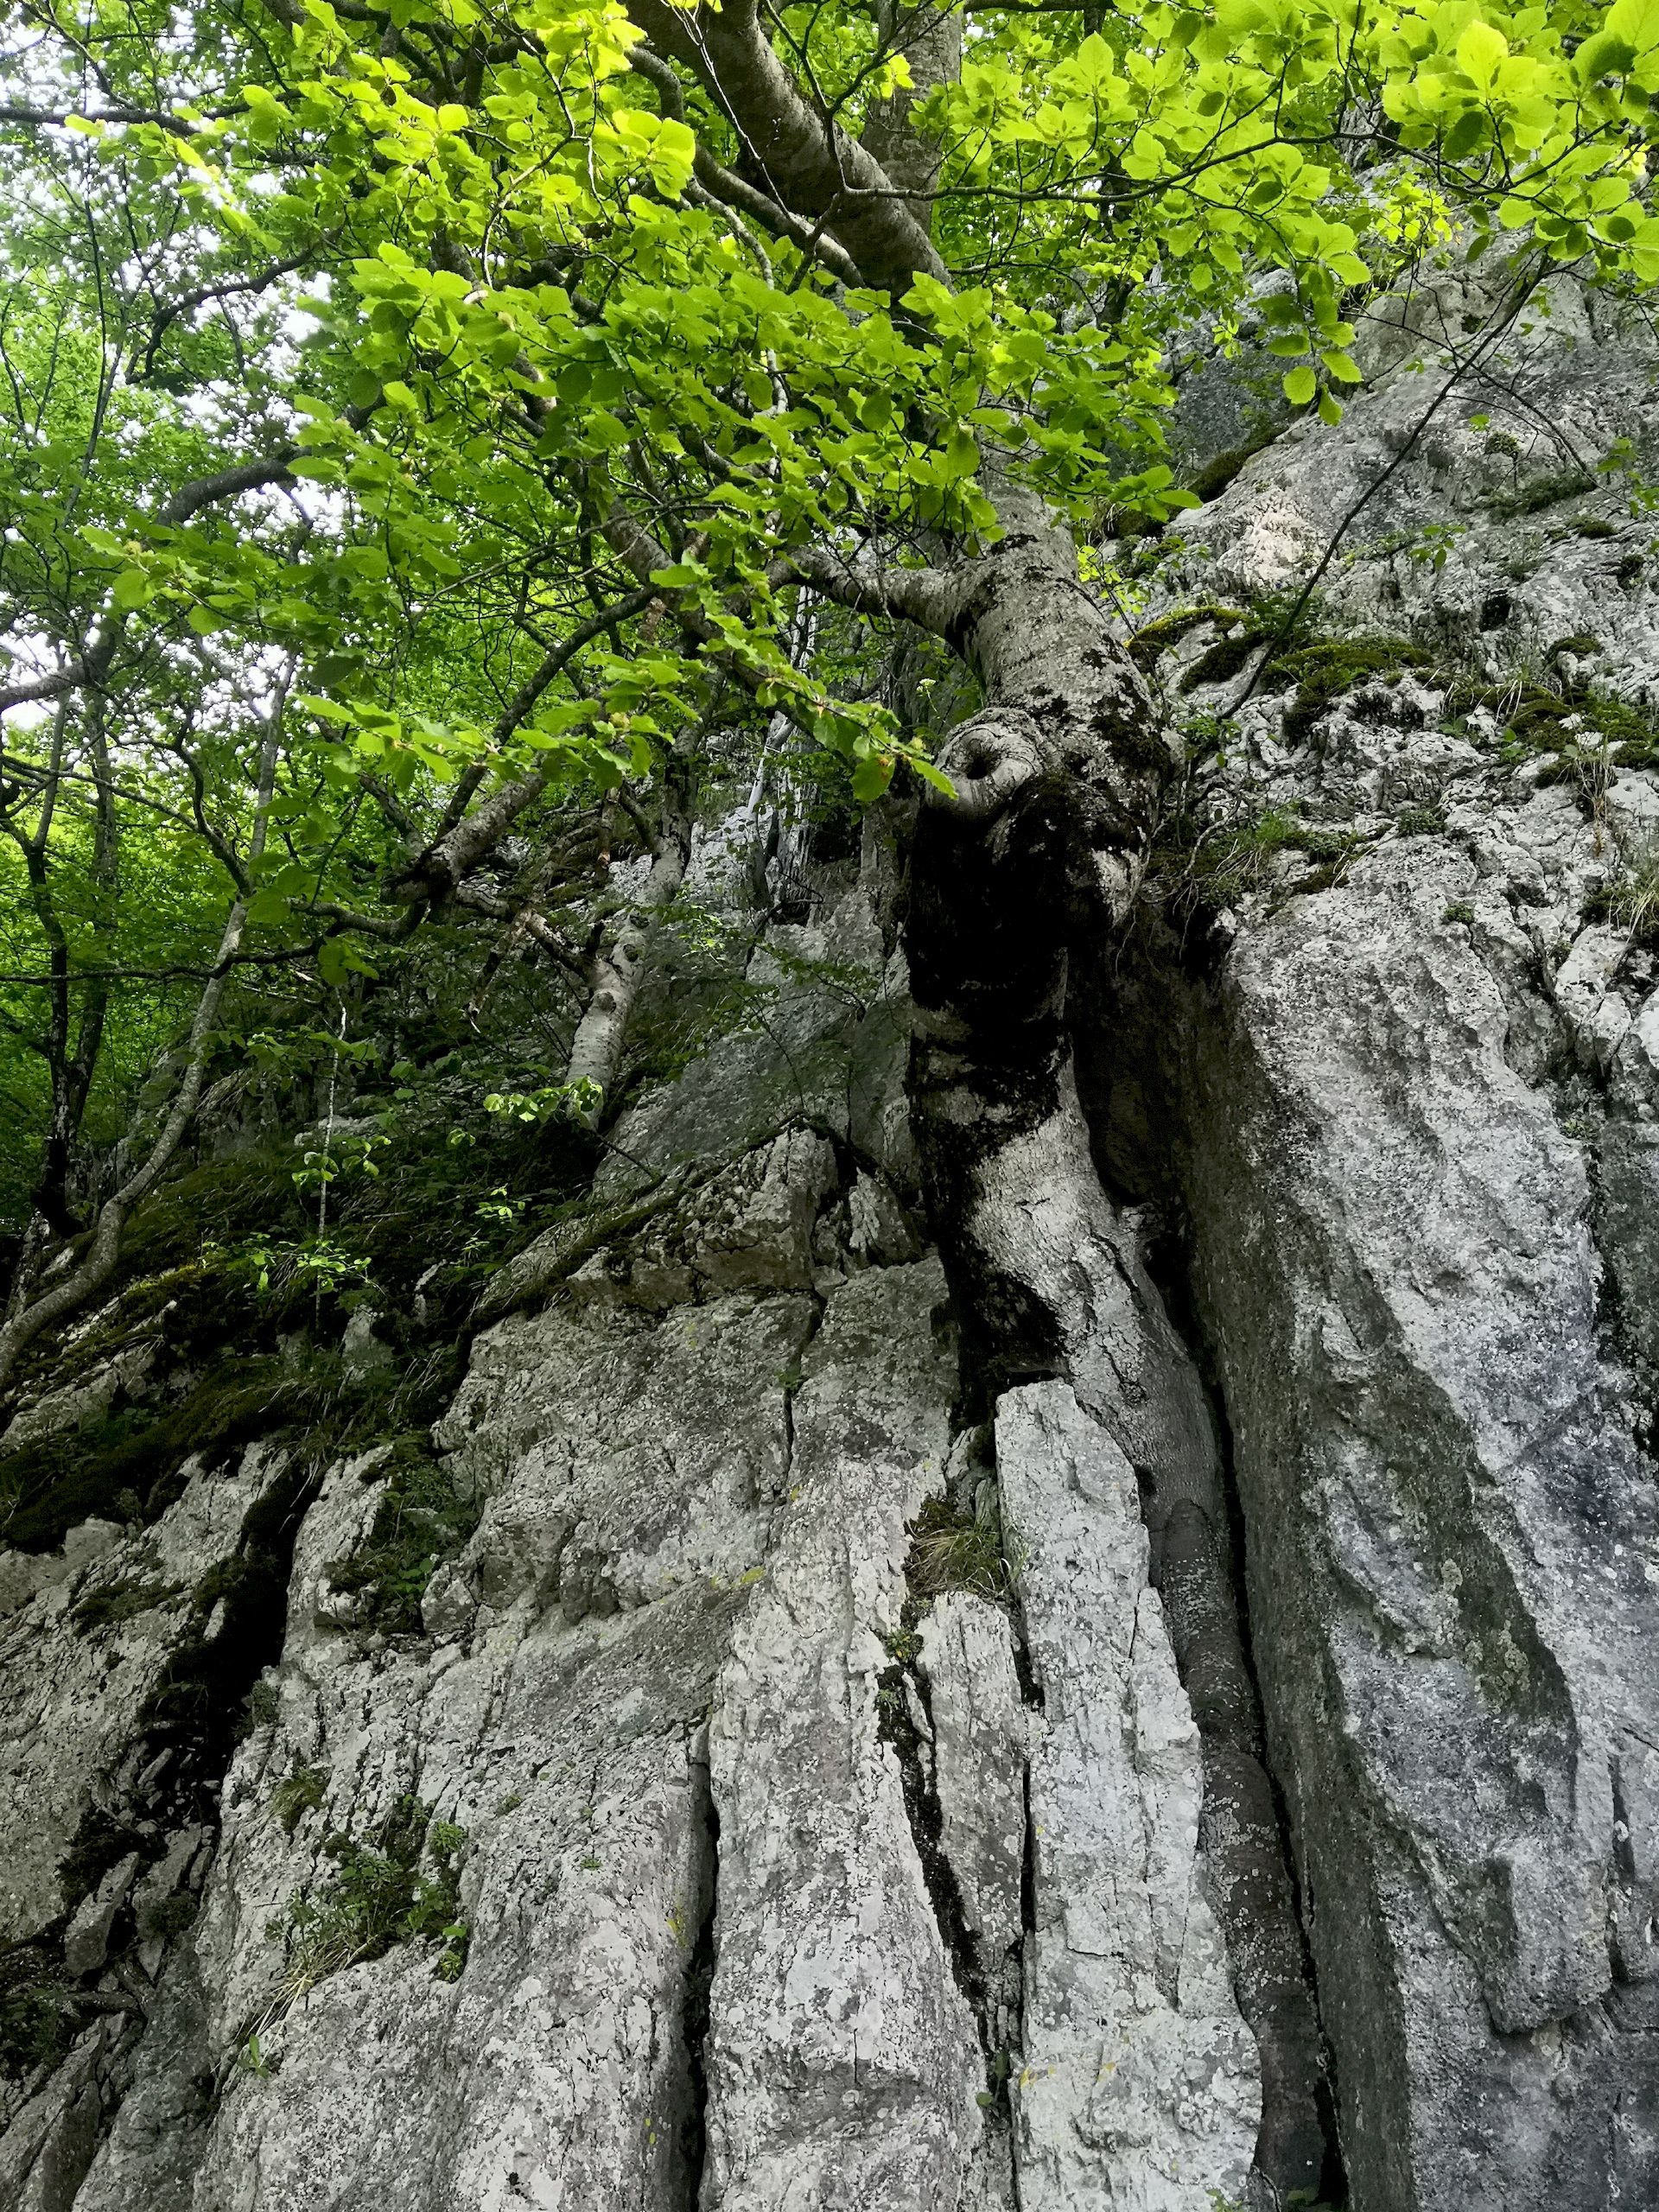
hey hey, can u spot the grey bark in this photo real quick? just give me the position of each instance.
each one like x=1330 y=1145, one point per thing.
x=619 y=963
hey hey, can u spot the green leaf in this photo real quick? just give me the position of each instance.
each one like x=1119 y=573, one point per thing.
x=1472 y=129
x=1636 y=22
x=338 y=959
x=872 y=776
x=1482 y=52
x=1603 y=56
x=1301 y=385
x=132 y=587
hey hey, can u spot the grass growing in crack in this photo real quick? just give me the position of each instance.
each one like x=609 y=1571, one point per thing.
x=953 y=1548
x=421 y=1519
x=122 y=1600
x=301 y=1793
x=35 y=2027
x=399 y=1884
x=1213 y=869
x=1630 y=901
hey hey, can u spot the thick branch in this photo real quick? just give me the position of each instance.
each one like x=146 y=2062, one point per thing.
x=730 y=189
x=929 y=35
x=931 y=598
x=810 y=166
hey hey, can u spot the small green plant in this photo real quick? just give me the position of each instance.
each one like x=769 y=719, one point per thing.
x=399 y=1886
x=172 y=1916
x=1433 y=543
x=1621 y=459
x=1215 y=868
x=325 y=1164
x=1458 y=910
x=300 y=1794
x=561 y=1102
x=953 y=1550
x=1630 y=901
x=498 y=1206
x=421 y=1519
x=280 y=1267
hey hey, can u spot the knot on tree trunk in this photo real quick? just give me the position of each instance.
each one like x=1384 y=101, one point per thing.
x=990 y=758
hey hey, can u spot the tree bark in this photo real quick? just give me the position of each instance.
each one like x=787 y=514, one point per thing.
x=596 y=1049
x=1033 y=863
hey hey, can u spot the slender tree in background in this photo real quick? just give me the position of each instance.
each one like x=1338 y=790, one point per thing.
x=424 y=426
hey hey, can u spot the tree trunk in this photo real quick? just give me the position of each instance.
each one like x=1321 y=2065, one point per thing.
x=596 y=1049
x=1034 y=864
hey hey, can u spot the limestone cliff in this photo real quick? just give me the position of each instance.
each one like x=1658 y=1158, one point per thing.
x=1167 y=1718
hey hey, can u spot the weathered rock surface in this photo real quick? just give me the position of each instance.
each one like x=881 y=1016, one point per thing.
x=1415 y=1171
x=1454 y=1556
x=843 y=2062
x=87 y=1636
x=1138 y=2087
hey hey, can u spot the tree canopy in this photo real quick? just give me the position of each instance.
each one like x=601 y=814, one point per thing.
x=435 y=434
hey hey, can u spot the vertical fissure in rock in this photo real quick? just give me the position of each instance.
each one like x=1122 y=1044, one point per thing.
x=698 y=2017
x=1245 y=1831
x=1198 y=1551
x=165 y=1787
x=904 y=1706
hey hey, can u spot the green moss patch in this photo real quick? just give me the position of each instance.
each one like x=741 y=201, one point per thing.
x=1147 y=646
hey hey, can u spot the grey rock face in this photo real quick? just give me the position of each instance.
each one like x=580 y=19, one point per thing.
x=87 y=1636
x=1138 y=2086
x=980 y=1731
x=629 y=1468
x=1483 y=521
x=843 y=2062
x=1453 y=1559
x=1416 y=1169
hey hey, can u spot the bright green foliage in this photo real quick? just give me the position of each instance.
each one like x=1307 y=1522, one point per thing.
x=401 y=398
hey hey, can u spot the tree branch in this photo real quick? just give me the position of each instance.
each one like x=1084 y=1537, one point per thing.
x=812 y=166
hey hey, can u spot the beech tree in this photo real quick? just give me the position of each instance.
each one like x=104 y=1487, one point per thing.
x=425 y=425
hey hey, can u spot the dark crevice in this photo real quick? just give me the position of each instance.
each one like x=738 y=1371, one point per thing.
x=1621 y=1204
x=1030 y=1689
x=1200 y=1572
x=185 y=1736
x=896 y=1684
x=699 y=1987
